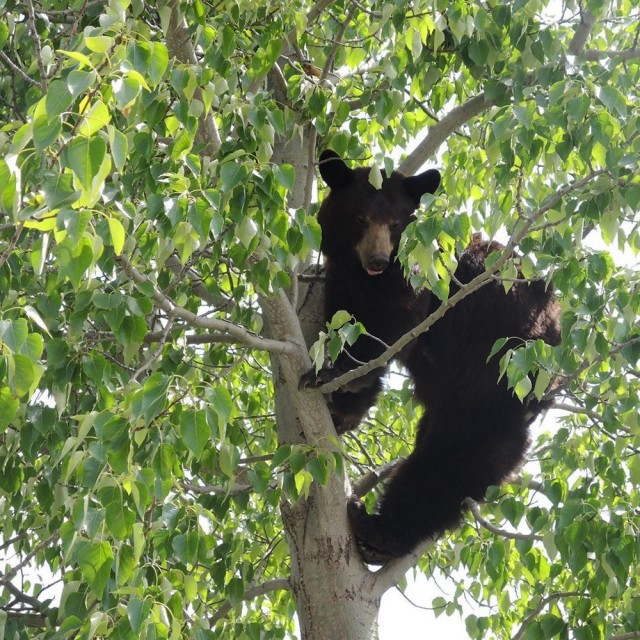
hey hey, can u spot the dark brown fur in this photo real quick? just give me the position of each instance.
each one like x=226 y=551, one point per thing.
x=474 y=431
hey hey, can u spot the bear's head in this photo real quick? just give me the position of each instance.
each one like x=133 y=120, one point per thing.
x=361 y=223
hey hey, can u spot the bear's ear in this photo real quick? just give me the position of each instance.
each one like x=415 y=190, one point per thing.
x=426 y=182
x=333 y=169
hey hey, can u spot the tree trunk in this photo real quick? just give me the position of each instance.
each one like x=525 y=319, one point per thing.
x=335 y=593
x=333 y=589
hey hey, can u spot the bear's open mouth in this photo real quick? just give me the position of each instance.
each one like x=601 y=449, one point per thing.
x=373 y=272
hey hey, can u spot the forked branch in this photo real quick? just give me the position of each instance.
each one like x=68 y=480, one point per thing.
x=238 y=333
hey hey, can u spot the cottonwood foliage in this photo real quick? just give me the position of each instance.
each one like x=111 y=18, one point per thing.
x=145 y=213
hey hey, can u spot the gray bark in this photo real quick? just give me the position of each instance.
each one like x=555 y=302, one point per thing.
x=335 y=593
x=180 y=47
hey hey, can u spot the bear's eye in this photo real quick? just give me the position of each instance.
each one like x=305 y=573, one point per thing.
x=362 y=220
x=395 y=224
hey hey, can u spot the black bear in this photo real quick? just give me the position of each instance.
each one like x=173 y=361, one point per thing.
x=474 y=430
x=361 y=228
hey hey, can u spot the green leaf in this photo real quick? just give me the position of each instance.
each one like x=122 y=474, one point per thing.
x=139 y=55
x=375 y=176
x=95 y=561
x=118 y=235
x=13 y=333
x=94 y=119
x=75 y=223
x=479 y=51
x=523 y=387
x=552 y=625
x=185 y=546
x=33 y=347
x=84 y=61
x=25 y=375
x=126 y=90
x=159 y=62
x=613 y=99
x=339 y=318
x=281 y=456
x=74 y=262
x=577 y=107
x=228 y=460
x=58 y=190
x=195 y=431
x=45 y=131
x=126 y=565
x=543 y=378
x=319 y=469
x=222 y=404
x=235 y=591
x=119 y=519
x=265 y=58
x=137 y=612
x=285 y=175
x=190 y=585
x=8 y=408
x=21 y=138
x=85 y=157
x=232 y=174
x=151 y=400
x=119 y=147
x=7 y=188
x=79 y=81
x=58 y=98
x=4 y=34
x=98 y=44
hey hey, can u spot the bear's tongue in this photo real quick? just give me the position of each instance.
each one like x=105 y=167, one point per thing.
x=371 y=272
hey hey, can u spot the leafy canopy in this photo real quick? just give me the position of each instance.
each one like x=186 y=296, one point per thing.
x=145 y=208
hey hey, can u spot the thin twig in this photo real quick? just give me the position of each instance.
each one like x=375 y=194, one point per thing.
x=511 y=535
x=336 y=44
x=25 y=598
x=38 y=45
x=217 y=490
x=11 y=541
x=7 y=60
x=13 y=572
x=541 y=607
x=12 y=243
x=254 y=591
x=586 y=364
x=157 y=353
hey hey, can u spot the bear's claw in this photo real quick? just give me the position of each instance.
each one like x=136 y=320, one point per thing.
x=358 y=517
x=313 y=379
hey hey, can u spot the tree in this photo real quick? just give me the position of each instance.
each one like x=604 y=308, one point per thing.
x=159 y=295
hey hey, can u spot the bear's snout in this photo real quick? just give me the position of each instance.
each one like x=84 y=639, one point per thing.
x=376 y=264
x=375 y=249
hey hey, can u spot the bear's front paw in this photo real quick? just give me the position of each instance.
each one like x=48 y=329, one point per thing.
x=363 y=526
x=313 y=379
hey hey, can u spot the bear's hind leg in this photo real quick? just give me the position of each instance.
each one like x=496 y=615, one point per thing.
x=425 y=495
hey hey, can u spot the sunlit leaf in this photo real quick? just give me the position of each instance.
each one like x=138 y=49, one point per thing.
x=85 y=156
